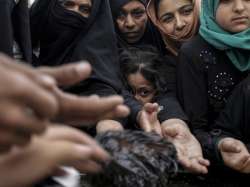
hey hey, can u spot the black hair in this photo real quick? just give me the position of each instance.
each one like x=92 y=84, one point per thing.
x=138 y=159
x=156 y=4
x=148 y=62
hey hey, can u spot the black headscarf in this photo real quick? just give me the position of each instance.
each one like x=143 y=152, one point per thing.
x=151 y=35
x=65 y=36
x=15 y=25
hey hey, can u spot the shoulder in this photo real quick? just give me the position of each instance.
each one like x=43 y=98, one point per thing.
x=194 y=46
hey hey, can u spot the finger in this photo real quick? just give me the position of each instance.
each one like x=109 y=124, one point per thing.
x=26 y=70
x=88 y=167
x=86 y=107
x=69 y=74
x=9 y=139
x=144 y=122
x=20 y=120
x=203 y=161
x=230 y=147
x=151 y=107
x=196 y=167
x=170 y=132
x=120 y=111
x=76 y=136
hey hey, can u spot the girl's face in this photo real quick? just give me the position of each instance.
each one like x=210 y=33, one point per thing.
x=132 y=21
x=143 y=90
x=82 y=7
x=176 y=16
x=233 y=15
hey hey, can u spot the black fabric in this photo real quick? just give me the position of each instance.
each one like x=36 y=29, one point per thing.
x=151 y=36
x=15 y=25
x=65 y=36
x=205 y=81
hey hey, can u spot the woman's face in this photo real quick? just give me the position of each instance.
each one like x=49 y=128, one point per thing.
x=132 y=21
x=82 y=7
x=233 y=15
x=143 y=90
x=176 y=16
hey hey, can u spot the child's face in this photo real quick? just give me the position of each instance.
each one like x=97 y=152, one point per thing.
x=143 y=90
x=233 y=15
x=176 y=16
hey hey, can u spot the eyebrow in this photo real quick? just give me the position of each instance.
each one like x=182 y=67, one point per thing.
x=181 y=8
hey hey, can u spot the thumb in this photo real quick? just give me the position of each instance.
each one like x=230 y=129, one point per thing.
x=170 y=131
x=230 y=146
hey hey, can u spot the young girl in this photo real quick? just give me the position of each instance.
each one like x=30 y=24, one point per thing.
x=177 y=20
x=210 y=67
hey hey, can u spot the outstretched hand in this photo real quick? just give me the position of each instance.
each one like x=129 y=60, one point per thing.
x=75 y=109
x=235 y=154
x=188 y=148
x=59 y=146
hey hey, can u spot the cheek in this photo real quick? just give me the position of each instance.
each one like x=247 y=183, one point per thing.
x=189 y=20
x=168 y=27
x=142 y=22
x=221 y=19
x=119 y=24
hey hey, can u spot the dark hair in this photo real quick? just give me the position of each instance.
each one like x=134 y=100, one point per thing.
x=138 y=159
x=156 y=4
x=148 y=62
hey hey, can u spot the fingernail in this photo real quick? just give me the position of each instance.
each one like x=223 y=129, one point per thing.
x=81 y=67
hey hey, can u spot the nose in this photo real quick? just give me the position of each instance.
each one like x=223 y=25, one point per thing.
x=129 y=22
x=180 y=23
x=238 y=6
x=138 y=98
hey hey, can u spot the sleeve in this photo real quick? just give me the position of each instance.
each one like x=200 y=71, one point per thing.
x=171 y=107
x=234 y=119
x=134 y=106
x=192 y=94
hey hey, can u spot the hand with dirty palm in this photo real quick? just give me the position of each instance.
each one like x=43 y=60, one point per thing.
x=189 y=149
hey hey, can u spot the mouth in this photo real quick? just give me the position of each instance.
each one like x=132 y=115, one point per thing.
x=131 y=34
x=240 y=19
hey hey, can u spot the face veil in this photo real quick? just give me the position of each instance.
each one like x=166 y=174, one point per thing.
x=65 y=36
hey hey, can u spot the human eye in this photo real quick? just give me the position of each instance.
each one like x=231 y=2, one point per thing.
x=187 y=10
x=122 y=16
x=144 y=92
x=86 y=9
x=167 y=18
x=138 y=13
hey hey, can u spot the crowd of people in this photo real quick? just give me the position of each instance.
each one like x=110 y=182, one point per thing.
x=71 y=69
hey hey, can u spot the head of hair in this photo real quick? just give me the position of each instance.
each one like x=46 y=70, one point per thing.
x=138 y=159
x=147 y=61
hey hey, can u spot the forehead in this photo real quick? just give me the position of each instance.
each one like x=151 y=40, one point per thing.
x=132 y=5
x=137 y=79
x=83 y=1
x=172 y=5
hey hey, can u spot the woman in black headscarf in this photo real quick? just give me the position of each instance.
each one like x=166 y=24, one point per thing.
x=66 y=36
x=146 y=33
x=14 y=29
